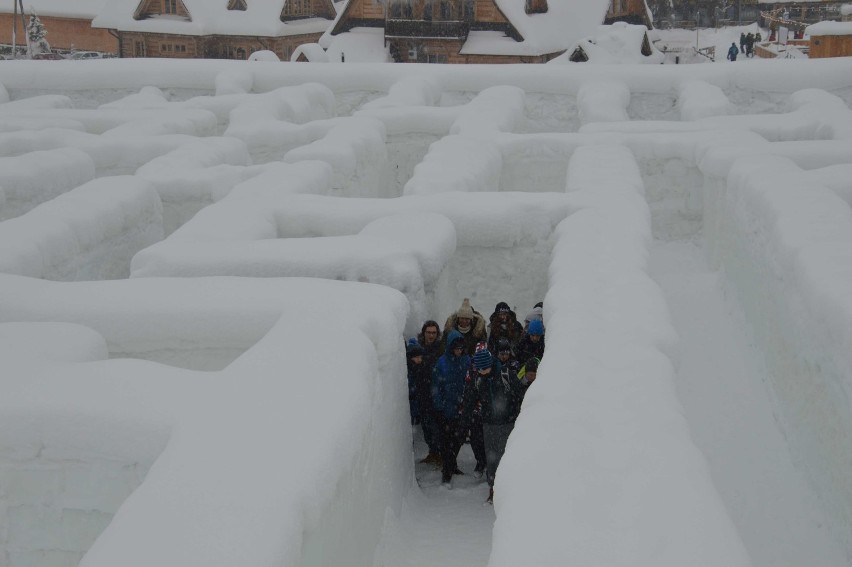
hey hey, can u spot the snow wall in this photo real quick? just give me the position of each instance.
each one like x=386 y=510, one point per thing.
x=783 y=240
x=225 y=455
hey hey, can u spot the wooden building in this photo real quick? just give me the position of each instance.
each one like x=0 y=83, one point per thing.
x=478 y=31
x=68 y=25
x=630 y=11
x=830 y=39
x=228 y=29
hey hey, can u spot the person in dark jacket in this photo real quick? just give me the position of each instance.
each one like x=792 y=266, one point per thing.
x=506 y=355
x=414 y=361
x=504 y=324
x=532 y=345
x=528 y=372
x=749 y=52
x=430 y=339
x=449 y=392
x=500 y=394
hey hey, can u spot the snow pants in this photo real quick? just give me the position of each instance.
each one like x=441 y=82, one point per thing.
x=451 y=433
x=496 y=437
x=429 y=425
x=477 y=441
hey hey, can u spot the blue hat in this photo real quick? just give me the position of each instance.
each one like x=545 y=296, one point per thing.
x=536 y=327
x=413 y=348
x=482 y=359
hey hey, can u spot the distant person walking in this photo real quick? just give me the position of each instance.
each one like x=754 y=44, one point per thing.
x=742 y=41
x=749 y=45
x=733 y=52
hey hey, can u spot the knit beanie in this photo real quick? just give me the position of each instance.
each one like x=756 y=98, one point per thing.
x=413 y=349
x=502 y=306
x=465 y=310
x=536 y=327
x=482 y=359
x=532 y=365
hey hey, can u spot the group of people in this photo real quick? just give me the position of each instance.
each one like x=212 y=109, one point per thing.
x=468 y=382
x=747 y=42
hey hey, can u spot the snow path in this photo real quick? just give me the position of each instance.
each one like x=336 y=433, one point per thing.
x=721 y=384
x=441 y=527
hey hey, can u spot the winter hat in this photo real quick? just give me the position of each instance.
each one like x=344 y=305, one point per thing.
x=531 y=365
x=465 y=310
x=482 y=359
x=504 y=345
x=413 y=349
x=501 y=307
x=536 y=327
x=539 y=304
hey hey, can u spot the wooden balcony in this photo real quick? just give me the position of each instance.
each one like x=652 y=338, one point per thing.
x=431 y=29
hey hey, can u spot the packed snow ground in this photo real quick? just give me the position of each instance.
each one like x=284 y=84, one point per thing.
x=175 y=395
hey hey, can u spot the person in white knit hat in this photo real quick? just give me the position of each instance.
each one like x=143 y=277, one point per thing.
x=470 y=323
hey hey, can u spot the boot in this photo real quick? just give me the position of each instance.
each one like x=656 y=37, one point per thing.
x=490 y=499
x=430 y=458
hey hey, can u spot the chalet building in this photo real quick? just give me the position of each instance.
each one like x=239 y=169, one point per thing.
x=630 y=11
x=829 y=39
x=68 y=25
x=224 y=29
x=798 y=15
x=470 y=31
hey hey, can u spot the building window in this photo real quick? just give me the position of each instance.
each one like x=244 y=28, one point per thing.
x=170 y=6
x=139 y=49
x=469 y=8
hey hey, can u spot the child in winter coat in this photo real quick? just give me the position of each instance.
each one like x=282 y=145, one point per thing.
x=449 y=394
x=733 y=52
x=500 y=393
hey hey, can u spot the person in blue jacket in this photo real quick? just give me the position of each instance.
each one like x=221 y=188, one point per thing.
x=733 y=52
x=449 y=396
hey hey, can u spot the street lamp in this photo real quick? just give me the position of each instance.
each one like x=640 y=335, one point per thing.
x=697 y=25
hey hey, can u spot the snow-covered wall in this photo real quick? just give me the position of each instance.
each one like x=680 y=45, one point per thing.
x=784 y=242
x=88 y=233
x=262 y=369
x=275 y=458
x=436 y=250
x=602 y=417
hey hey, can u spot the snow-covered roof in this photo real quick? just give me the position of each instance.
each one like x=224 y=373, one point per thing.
x=209 y=18
x=846 y=10
x=80 y=9
x=829 y=28
x=313 y=52
x=559 y=28
x=360 y=45
x=617 y=43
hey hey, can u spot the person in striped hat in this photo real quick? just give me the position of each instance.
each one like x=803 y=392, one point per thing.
x=499 y=393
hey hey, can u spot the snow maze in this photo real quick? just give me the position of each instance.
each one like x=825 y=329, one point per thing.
x=206 y=270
